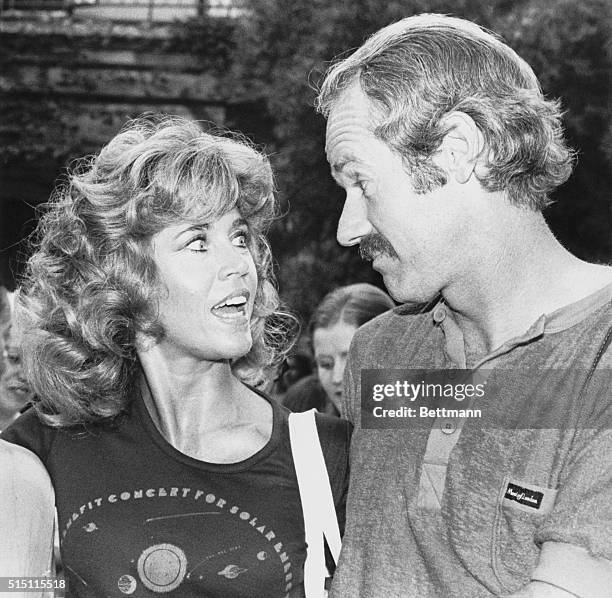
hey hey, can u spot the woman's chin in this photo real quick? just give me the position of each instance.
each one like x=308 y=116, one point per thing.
x=240 y=348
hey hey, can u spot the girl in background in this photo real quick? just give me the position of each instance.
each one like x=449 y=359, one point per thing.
x=332 y=327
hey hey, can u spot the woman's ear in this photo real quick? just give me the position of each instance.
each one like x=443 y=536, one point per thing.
x=462 y=147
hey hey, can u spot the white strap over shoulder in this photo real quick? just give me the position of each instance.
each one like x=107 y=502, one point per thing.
x=317 y=500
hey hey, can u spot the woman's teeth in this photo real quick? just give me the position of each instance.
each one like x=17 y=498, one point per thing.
x=231 y=308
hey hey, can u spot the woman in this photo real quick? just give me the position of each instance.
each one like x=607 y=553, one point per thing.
x=150 y=315
x=332 y=327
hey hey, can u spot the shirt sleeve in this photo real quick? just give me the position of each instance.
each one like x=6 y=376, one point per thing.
x=576 y=537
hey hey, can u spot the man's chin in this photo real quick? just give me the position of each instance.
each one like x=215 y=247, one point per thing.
x=406 y=291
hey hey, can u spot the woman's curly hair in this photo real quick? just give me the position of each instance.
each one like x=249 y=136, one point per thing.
x=91 y=284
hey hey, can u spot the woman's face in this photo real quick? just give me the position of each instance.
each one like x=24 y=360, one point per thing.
x=331 y=347
x=210 y=278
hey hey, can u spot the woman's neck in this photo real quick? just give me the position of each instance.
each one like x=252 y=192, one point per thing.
x=202 y=409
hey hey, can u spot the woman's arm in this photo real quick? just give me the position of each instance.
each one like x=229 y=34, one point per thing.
x=26 y=514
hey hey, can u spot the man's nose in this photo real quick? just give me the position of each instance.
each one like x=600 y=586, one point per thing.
x=353 y=224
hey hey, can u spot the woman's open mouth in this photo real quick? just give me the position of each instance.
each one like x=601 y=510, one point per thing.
x=233 y=308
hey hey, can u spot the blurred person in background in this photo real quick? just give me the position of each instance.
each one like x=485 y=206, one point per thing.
x=295 y=367
x=27 y=513
x=25 y=490
x=5 y=318
x=15 y=392
x=332 y=327
x=149 y=317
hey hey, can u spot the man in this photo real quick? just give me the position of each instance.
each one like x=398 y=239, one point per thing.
x=447 y=151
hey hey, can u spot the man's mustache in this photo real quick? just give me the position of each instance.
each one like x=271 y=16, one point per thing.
x=374 y=244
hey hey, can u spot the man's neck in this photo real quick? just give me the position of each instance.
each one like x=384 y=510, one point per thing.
x=525 y=273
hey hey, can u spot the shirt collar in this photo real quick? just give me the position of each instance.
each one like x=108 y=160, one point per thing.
x=561 y=319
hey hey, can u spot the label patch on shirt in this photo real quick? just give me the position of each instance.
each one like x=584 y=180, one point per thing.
x=524 y=496
x=528 y=497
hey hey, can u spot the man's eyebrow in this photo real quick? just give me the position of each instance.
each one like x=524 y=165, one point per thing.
x=338 y=167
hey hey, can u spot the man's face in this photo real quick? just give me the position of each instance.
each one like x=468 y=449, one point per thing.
x=413 y=239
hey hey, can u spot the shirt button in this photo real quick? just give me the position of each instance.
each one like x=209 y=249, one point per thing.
x=439 y=314
x=448 y=426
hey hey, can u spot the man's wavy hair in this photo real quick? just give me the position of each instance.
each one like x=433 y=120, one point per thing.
x=91 y=284
x=423 y=67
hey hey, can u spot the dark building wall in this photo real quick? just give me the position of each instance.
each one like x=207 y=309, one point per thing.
x=68 y=84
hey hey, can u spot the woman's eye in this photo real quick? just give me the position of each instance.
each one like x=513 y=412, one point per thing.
x=241 y=240
x=198 y=244
x=326 y=365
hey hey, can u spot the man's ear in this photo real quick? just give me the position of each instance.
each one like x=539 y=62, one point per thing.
x=462 y=147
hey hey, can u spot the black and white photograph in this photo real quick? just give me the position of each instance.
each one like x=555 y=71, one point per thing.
x=305 y=298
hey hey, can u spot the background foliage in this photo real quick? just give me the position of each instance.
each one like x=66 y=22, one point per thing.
x=287 y=46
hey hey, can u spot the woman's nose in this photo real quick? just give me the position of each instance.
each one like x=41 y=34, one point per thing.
x=234 y=263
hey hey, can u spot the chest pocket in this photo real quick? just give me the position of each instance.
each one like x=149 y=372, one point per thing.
x=521 y=509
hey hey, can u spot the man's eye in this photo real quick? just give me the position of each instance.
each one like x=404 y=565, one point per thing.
x=361 y=184
x=198 y=244
x=326 y=365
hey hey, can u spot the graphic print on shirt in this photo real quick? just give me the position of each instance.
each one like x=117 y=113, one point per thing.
x=183 y=539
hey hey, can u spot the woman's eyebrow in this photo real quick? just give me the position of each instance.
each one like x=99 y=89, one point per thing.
x=193 y=227
x=239 y=222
